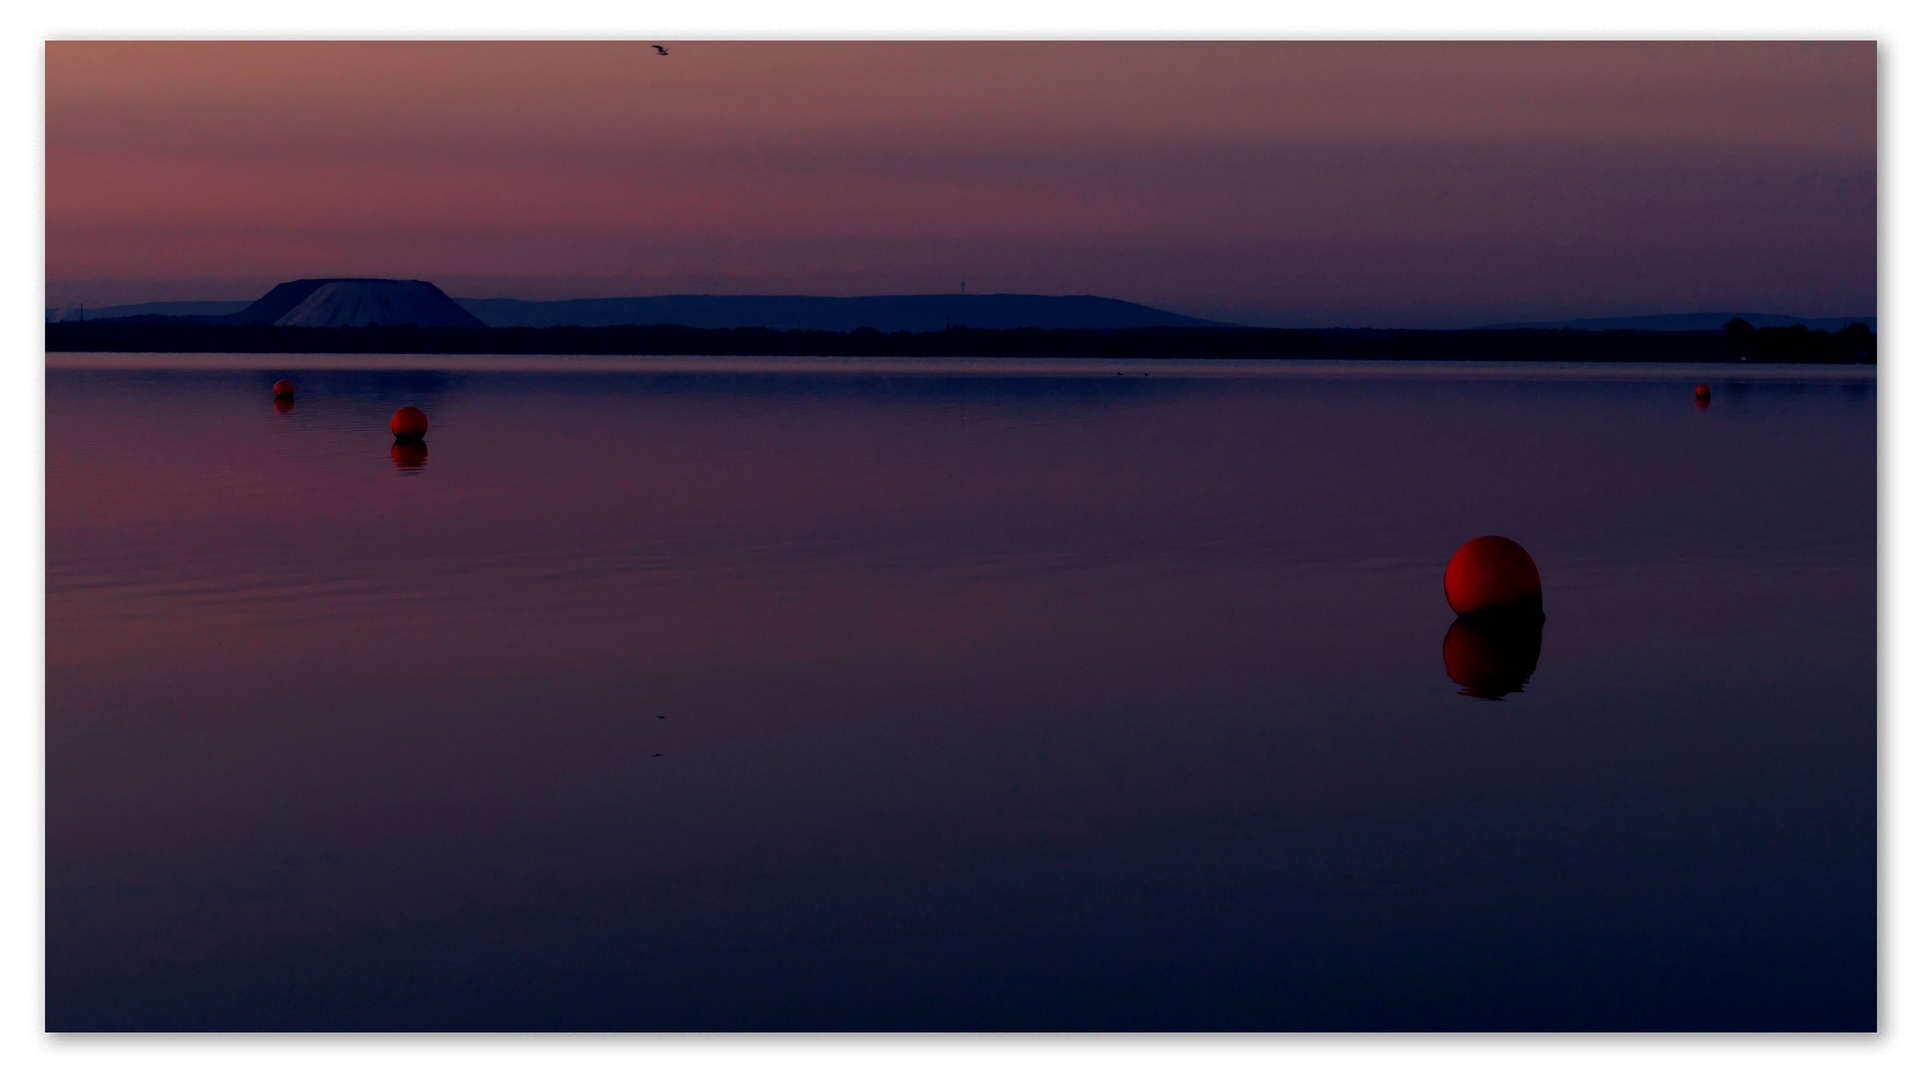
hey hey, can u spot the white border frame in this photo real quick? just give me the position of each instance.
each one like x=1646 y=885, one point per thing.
x=28 y=1052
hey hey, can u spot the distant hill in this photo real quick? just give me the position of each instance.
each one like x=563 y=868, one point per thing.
x=353 y=302
x=887 y=314
x=319 y=302
x=1701 y=320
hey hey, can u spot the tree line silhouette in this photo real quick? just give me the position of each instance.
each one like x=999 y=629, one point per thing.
x=1147 y=343
x=1797 y=344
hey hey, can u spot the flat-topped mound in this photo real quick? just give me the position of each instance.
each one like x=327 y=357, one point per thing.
x=353 y=302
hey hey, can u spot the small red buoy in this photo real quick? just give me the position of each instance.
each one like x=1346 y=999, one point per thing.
x=409 y=424
x=283 y=388
x=1703 y=392
x=1492 y=574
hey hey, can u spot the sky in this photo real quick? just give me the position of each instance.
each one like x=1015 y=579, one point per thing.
x=1273 y=183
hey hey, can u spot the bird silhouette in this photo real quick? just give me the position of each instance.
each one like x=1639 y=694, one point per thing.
x=661 y=49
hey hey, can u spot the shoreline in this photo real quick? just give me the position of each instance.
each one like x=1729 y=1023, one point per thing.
x=952 y=367
x=1147 y=343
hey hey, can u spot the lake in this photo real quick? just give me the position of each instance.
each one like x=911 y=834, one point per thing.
x=664 y=695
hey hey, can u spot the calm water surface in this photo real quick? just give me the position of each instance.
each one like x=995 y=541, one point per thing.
x=726 y=698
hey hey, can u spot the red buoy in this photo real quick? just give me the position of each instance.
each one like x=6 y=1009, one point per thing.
x=283 y=388
x=409 y=424
x=1703 y=392
x=1492 y=574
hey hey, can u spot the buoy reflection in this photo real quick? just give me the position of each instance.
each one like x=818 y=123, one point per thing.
x=283 y=404
x=409 y=456
x=1491 y=658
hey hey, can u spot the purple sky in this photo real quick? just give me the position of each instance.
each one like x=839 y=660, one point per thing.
x=1436 y=183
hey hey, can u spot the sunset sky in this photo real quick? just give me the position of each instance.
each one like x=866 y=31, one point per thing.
x=1436 y=184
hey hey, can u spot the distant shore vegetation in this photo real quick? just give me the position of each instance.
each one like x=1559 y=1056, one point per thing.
x=1797 y=344
x=1737 y=342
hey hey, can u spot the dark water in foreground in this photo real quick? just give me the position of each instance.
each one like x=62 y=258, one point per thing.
x=861 y=700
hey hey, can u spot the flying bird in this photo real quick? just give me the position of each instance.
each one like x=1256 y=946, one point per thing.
x=661 y=49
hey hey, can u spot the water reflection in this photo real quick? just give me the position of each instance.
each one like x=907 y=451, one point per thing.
x=409 y=456
x=1491 y=658
x=283 y=404
x=973 y=675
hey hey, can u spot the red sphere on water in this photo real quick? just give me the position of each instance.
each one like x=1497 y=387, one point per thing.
x=1703 y=391
x=409 y=423
x=1491 y=573
x=283 y=388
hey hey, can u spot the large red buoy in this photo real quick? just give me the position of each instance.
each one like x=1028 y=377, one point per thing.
x=283 y=388
x=409 y=424
x=1492 y=574
x=1703 y=391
